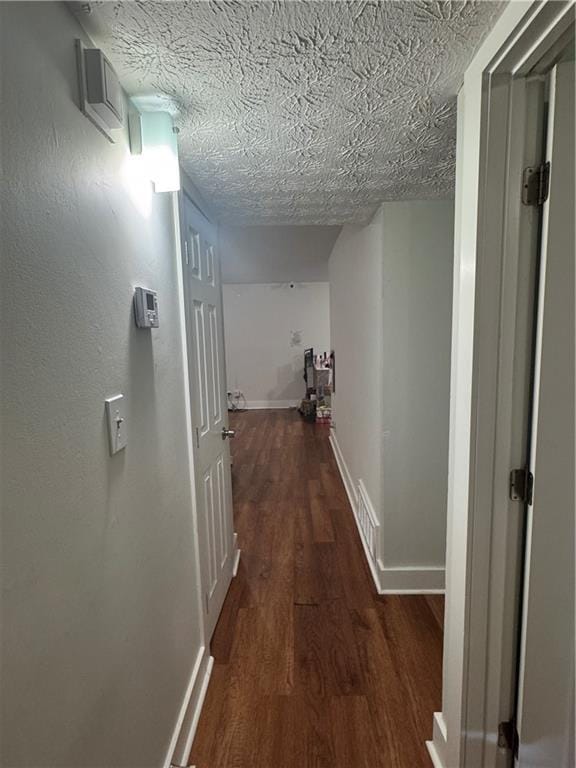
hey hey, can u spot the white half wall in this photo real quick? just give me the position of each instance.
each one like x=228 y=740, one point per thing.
x=391 y=288
x=267 y=327
x=103 y=644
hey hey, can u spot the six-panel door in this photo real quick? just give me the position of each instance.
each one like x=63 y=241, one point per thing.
x=205 y=341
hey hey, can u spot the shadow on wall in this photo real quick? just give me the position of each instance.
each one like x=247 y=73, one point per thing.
x=290 y=384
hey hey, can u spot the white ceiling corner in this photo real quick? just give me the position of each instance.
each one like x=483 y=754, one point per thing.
x=303 y=111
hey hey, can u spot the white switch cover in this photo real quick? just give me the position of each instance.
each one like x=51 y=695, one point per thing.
x=116 y=418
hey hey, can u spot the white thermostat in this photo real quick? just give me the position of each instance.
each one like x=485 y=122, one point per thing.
x=146 y=308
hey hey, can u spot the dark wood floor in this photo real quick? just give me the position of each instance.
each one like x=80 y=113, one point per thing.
x=312 y=668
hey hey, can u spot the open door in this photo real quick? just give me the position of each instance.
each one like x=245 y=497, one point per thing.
x=546 y=675
x=205 y=342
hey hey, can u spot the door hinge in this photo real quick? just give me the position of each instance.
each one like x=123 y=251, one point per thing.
x=536 y=184
x=521 y=485
x=508 y=736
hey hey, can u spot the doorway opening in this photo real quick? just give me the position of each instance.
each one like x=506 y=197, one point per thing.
x=501 y=576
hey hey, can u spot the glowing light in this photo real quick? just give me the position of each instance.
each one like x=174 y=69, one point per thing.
x=136 y=180
x=160 y=151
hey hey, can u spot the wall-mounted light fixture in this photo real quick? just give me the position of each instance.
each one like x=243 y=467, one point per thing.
x=154 y=136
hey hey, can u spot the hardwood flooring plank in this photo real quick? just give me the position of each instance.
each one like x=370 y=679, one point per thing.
x=224 y=633
x=353 y=734
x=262 y=652
x=327 y=661
x=391 y=712
x=321 y=520
x=308 y=584
x=419 y=661
x=436 y=605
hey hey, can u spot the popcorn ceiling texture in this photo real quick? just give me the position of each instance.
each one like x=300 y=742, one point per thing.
x=304 y=112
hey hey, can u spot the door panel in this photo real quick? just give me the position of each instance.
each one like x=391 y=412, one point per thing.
x=201 y=397
x=546 y=680
x=205 y=340
x=192 y=252
x=216 y=383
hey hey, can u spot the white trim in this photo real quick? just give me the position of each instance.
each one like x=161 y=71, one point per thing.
x=434 y=756
x=437 y=746
x=344 y=471
x=353 y=499
x=256 y=405
x=237 y=554
x=194 y=194
x=412 y=580
x=189 y=700
x=475 y=641
x=403 y=580
x=186 y=735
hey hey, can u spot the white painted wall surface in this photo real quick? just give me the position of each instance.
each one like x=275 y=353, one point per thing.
x=276 y=254
x=262 y=359
x=390 y=290
x=416 y=305
x=355 y=270
x=101 y=623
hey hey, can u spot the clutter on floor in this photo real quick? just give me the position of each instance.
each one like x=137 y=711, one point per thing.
x=316 y=406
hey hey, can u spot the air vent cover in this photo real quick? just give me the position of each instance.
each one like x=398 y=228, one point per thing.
x=101 y=95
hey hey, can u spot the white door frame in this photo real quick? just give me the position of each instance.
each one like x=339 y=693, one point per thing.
x=491 y=235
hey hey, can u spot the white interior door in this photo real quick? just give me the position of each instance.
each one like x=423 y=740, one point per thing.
x=546 y=683
x=205 y=340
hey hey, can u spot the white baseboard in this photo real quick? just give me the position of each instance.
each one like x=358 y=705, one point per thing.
x=353 y=497
x=437 y=747
x=237 y=553
x=411 y=580
x=256 y=405
x=344 y=471
x=187 y=722
x=434 y=756
x=405 y=580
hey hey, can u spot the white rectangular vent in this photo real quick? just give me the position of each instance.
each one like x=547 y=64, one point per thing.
x=367 y=521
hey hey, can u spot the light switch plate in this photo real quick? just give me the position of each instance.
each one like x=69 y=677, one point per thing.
x=116 y=418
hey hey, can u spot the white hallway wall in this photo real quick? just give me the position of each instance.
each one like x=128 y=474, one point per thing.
x=390 y=311
x=262 y=359
x=276 y=254
x=416 y=301
x=356 y=332
x=101 y=617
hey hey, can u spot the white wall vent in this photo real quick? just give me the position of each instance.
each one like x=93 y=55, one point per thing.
x=367 y=522
x=101 y=95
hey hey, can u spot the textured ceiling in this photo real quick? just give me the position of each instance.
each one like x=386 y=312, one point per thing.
x=303 y=112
